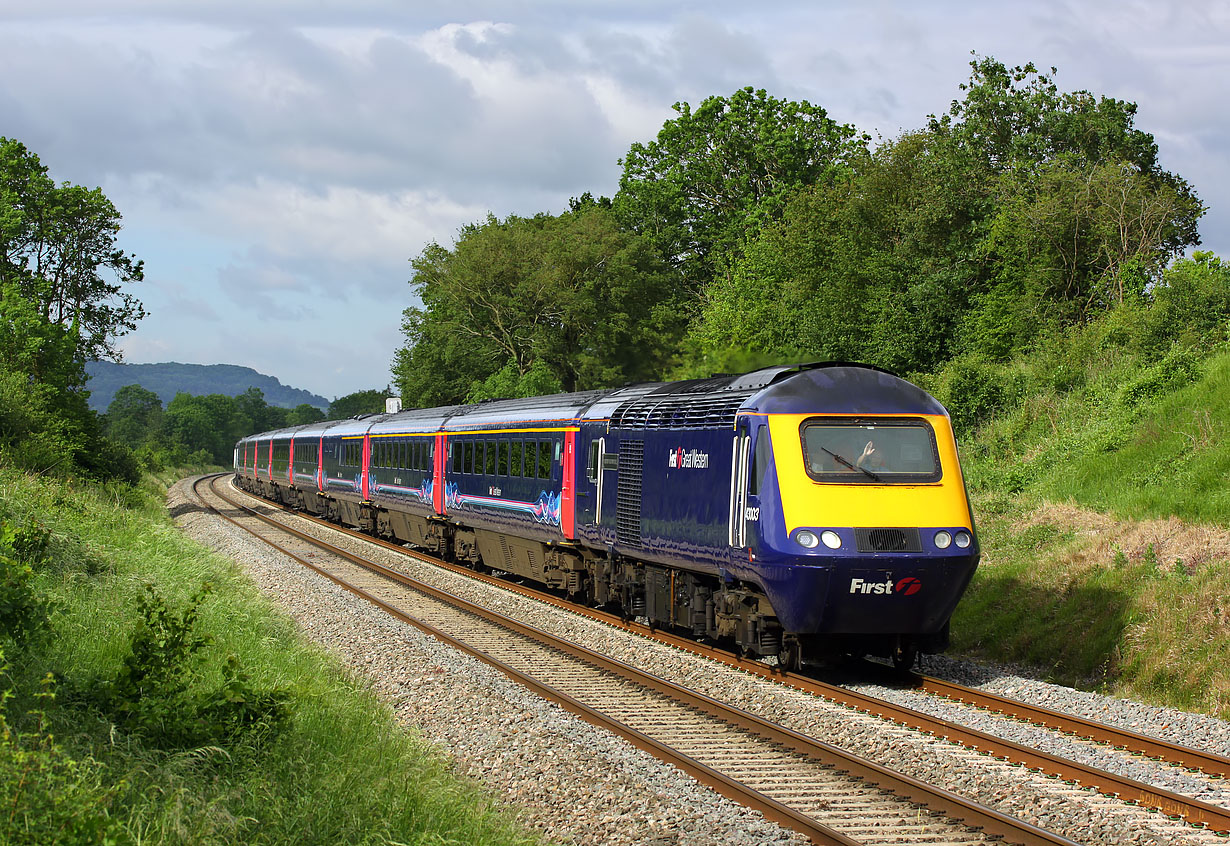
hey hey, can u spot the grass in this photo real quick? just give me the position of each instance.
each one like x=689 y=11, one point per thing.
x=1103 y=510
x=337 y=770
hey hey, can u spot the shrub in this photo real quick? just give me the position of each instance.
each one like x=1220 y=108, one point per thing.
x=156 y=692
x=1179 y=367
x=23 y=612
x=974 y=390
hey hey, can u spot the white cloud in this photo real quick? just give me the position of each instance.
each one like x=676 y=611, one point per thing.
x=263 y=154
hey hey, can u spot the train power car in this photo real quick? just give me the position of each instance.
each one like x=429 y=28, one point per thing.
x=796 y=511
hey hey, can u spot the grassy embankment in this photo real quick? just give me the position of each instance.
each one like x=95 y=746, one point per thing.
x=1101 y=488
x=155 y=733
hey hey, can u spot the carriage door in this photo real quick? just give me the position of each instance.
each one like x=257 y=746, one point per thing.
x=599 y=453
x=739 y=475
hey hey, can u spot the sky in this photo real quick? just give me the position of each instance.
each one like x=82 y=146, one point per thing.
x=278 y=164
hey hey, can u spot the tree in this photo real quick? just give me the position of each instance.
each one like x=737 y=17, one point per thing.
x=1020 y=212
x=211 y=423
x=1191 y=306
x=715 y=174
x=61 y=303
x=303 y=414
x=571 y=299
x=360 y=402
x=873 y=267
x=58 y=250
x=1016 y=118
x=134 y=416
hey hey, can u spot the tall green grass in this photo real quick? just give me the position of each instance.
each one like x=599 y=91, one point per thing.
x=1100 y=479
x=337 y=770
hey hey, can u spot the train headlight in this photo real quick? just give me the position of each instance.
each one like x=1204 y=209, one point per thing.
x=831 y=539
x=807 y=539
x=963 y=539
x=943 y=540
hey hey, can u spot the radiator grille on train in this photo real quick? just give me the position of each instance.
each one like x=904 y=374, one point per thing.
x=681 y=411
x=628 y=494
x=887 y=540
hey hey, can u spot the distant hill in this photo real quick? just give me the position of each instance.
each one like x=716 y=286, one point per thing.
x=166 y=380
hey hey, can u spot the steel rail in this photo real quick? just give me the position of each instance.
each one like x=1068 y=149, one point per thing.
x=1154 y=747
x=770 y=808
x=1193 y=811
x=935 y=798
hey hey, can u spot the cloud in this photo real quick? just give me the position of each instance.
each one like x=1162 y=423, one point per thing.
x=277 y=164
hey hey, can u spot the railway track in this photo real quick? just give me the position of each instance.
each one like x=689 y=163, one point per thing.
x=824 y=792
x=1199 y=813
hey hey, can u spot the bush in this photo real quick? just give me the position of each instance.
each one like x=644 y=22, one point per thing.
x=974 y=390
x=1179 y=367
x=23 y=612
x=156 y=692
x=1191 y=307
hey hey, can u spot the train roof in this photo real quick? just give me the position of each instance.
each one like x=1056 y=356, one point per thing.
x=828 y=387
x=845 y=389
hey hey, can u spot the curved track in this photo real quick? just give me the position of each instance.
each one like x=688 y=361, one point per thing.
x=822 y=791
x=1194 y=811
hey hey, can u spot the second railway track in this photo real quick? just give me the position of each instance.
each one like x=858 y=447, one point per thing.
x=775 y=755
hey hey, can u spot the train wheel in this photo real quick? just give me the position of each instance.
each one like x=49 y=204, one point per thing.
x=904 y=655
x=790 y=658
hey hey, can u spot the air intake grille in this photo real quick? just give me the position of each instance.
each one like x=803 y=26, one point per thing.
x=681 y=411
x=628 y=495
x=887 y=540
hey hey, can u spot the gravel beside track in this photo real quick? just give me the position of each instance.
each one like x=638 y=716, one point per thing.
x=574 y=783
x=577 y=784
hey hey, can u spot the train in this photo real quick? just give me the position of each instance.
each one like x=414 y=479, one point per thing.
x=798 y=512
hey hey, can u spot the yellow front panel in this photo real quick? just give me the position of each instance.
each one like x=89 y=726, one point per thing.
x=827 y=504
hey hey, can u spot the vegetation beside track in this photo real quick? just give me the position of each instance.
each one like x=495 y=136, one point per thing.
x=1098 y=470
x=150 y=695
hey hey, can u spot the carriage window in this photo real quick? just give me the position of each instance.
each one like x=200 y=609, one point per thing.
x=760 y=460
x=468 y=465
x=514 y=466
x=502 y=466
x=591 y=469
x=489 y=467
x=870 y=450
x=544 y=459
x=454 y=451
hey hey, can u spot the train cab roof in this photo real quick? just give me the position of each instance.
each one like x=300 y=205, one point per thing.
x=840 y=388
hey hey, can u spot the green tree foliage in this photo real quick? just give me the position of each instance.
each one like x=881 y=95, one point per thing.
x=61 y=303
x=537 y=304
x=134 y=416
x=258 y=415
x=863 y=269
x=303 y=414
x=360 y=402
x=1191 y=306
x=717 y=173
x=58 y=251
x=206 y=427
x=1022 y=211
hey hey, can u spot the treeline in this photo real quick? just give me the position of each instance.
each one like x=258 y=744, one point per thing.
x=196 y=430
x=751 y=230
x=64 y=301
x=756 y=230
